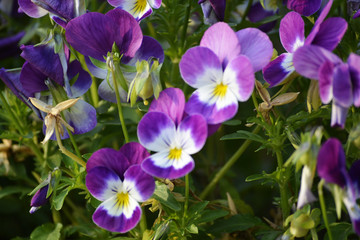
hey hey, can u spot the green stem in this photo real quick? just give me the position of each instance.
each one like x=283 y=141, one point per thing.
x=118 y=100
x=72 y=139
x=13 y=116
x=186 y=24
x=323 y=208
x=228 y=165
x=65 y=151
x=56 y=216
x=143 y=223
x=186 y=204
x=246 y=12
x=93 y=89
x=35 y=150
x=285 y=208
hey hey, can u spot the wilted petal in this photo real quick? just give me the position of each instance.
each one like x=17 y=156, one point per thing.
x=305 y=194
x=292 y=32
x=139 y=184
x=160 y=165
x=44 y=59
x=171 y=101
x=199 y=66
x=83 y=81
x=330 y=33
x=115 y=218
x=92 y=34
x=102 y=183
x=308 y=60
x=279 y=69
x=193 y=133
x=256 y=45
x=109 y=158
x=215 y=109
x=31 y=9
x=239 y=76
x=338 y=115
x=50 y=124
x=342 y=87
x=304 y=7
x=354 y=66
x=331 y=164
x=156 y=131
x=326 y=75
x=134 y=152
x=40 y=105
x=222 y=40
x=64 y=105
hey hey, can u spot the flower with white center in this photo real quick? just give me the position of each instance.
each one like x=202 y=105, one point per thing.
x=140 y=9
x=53 y=119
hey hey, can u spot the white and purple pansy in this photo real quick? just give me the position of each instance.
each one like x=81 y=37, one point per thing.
x=119 y=27
x=62 y=11
x=39 y=199
x=140 y=9
x=173 y=136
x=116 y=179
x=331 y=167
x=326 y=34
x=43 y=70
x=222 y=70
x=338 y=81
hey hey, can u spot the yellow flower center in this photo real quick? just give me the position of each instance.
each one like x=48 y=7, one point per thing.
x=139 y=6
x=122 y=200
x=175 y=153
x=220 y=90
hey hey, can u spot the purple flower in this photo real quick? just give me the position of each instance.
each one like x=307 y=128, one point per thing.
x=331 y=167
x=326 y=34
x=39 y=199
x=257 y=13
x=171 y=135
x=116 y=179
x=119 y=27
x=338 y=81
x=222 y=70
x=304 y=7
x=62 y=10
x=140 y=9
x=45 y=70
x=214 y=10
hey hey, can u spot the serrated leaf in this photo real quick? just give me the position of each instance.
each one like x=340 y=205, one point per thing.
x=165 y=197
x=241 y=134
x=47 y=231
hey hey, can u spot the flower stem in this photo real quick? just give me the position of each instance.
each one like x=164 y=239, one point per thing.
x=66 y=152
x=118 y=100
x=284 y=204
x=323 y=208
x=186 y=24
x=228 y=165
x=186 y=204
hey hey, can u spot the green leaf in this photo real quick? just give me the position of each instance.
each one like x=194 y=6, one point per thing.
x=197 y=208
x=58 y=200
x=123 y=238
x=14 y=189
x=211 y=215
x=165 y=197
x=192 y=229
x=234 y=122
x=241 y=134
x=340 y=231
x=235 y=223
x=47 y=231
x=98 y=63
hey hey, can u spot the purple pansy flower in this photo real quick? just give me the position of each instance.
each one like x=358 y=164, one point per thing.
x=62 y=11
x=140 y=9
x=257 y=13
x=39 y=199
x=119 y=27
x=116 y=179
x=214 y=10
x=171 y=135
x=326 y=34
x=338 y=81
x=304 y=7
x=43 y=69
x=331 y=167
x=222 y=70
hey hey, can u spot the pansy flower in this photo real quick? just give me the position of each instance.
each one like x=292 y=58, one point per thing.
x=258 y=13
x=338 y=81
x=214 y=10
x=140 y=9
x=119 y=27
x=43 y=70
x=173 y=136
x=331 y=167
x=39 y=199
x=222 y=70
x=116 y=179
x=62 y=11
x=304 y=7
x=326 y=34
